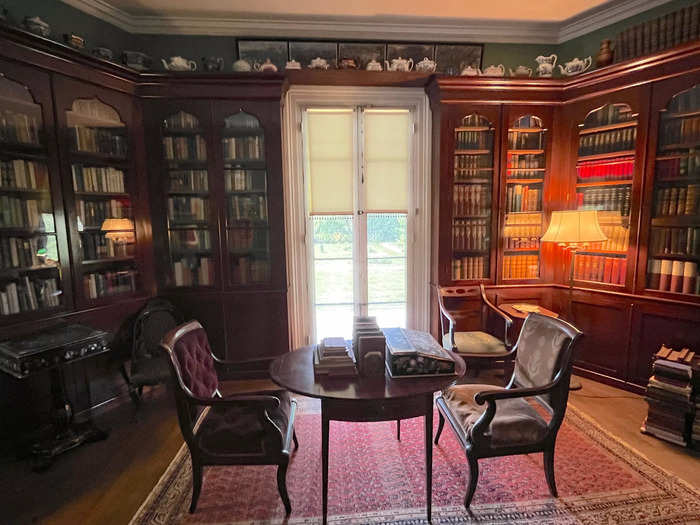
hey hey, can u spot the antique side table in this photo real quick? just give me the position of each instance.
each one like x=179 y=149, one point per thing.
x=363 y=399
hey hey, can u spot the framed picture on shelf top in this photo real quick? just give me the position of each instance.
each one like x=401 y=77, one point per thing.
x=305 y=52
x=362 y=52
x=453 y=58
x=415 y=52
x=258 y=51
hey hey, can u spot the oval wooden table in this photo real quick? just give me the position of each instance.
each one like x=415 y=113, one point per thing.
x=363 y=399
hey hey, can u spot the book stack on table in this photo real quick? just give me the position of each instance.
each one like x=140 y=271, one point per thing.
x=333 y=357
x=671 y=394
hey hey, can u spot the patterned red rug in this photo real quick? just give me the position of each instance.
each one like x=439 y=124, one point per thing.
x=376 y=479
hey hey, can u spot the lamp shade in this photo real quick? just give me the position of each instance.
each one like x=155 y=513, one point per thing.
x=118 y=229
x=573 y=228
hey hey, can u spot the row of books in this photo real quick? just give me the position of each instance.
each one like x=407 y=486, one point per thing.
x=97 y=179
x=611 y=198
x=530 y=161
x=684 y=131
x=249 y=270
x=248 y=239
x=681 y=166
x=600 y=171
x=187 y=209
x=181 y=120
x=521 y=197
x=244 y=148
x=247 y=208
x=678 y=200
x=102 y=284
x=29 y=295
x=21 y=252
x=525 y=174
x=241 y=120
x=98 y=246
x=675 y=241
x=672 y=394
x=658 y=34
x=526 y=140
x=189 y=180
x=99 y=140
x=190 y=240
x=245 y=180
x=686 y=101
x=24 y=174
x=473 y=162
x=525 y=237
x=471 y=199
x=618 y=238
x=673 y=276
x=521 y=267
x=20 y=213
x=465 y=268
x=475 y=140
x=19 y=127
x=470 y=234
x=93 y=213
x=601 y=269
x=185 y=148
x=197 y=271
x=607 y=141
x=607 y=115
x=333 y=357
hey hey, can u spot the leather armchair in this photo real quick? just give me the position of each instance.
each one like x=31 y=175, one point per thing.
x=235 y=430
x=493 y=421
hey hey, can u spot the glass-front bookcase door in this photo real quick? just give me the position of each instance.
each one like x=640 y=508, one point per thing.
x=30 y=264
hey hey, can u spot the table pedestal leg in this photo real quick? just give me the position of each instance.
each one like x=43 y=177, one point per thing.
x=429 y=453
x=324 y=455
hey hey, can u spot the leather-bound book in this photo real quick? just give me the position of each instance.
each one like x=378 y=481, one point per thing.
x=670 y=23
x=685 y=15
x=614 y=270
x=694 y=22
x=646 y=38
x=677 y=276
x=607 y=272
x=654 y=36
x=690 y=275
x=617 y=50
x=662 y=33
x=677 y=27
x=623 y=272
x=653 y=274
x=665 y=278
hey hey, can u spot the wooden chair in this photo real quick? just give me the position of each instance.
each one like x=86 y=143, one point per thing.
x=487 y=345
x=236 y=430
x=508 y=424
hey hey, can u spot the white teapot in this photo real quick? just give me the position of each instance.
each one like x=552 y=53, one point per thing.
x=576 y=66
x=494 y=71
x=179 y=64
x=373 y=65
x=318 y=63
x=241 y=65
x=292 y=64
x=399 y=64
x=546 y=65
x=521 y=71
x=470 y=71
x=426 y=65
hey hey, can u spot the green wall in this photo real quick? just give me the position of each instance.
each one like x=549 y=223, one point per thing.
x=66 y=19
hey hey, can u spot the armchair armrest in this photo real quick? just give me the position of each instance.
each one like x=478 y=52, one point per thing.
x=258 y=401
x=445 y=313
x=500 y=313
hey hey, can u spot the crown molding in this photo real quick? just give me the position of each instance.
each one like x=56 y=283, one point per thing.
x=375 y=28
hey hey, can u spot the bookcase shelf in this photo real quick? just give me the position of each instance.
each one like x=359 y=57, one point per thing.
x=608 y=155
x=604 y=183
x=609 y=127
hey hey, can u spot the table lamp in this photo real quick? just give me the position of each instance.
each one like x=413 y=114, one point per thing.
x=121 y=231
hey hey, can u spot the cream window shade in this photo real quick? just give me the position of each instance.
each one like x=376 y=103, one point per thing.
x=387 y=159
x=330 y=160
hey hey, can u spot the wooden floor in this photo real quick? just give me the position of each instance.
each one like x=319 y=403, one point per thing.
x=105 y=483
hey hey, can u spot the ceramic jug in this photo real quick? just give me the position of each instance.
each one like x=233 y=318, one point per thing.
x=545 y=65
x=426 y=65
x=373 y=65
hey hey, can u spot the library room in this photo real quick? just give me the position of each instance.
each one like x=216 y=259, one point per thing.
x=349 y=264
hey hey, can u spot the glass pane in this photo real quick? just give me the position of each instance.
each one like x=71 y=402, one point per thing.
x=386 y=267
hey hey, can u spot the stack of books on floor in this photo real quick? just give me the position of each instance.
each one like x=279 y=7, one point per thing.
x=671 y=395
x=333 y=357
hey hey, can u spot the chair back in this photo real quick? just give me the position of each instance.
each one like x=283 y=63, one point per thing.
x=544 y=349
x=152 y=323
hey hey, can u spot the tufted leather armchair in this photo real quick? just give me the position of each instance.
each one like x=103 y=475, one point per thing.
x=493 y=421
x=236 y=430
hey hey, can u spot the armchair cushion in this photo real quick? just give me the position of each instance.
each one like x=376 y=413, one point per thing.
x=234 y=430
x=516 y=422
x=476 y=343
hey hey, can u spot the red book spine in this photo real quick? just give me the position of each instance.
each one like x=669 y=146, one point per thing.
x=677 y=276
x=615 y=270
x=665 y=278
x=607 y=276
x=623 y=271
x=654 y=273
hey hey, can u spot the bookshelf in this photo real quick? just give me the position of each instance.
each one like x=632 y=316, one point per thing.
x=605 y=171
x=191 y=259
x=526 y=167
x=100 y=175
x=245 y=183
x=30 y=261
x=472 y=187
x=674 y=242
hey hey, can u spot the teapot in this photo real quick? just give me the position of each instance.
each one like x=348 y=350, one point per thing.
x=348 y=63
x=241 y=65
x=265 y=66
x=399 y=64
x=576 y=66
x=373 y=65
x=545 y=65
x=426 y=65
x=521 y=71
x=179 y=64
x=318 y=63
x=36 y=25
x=470 y=71
x=494 y=71
x=137 y=60
x=292 y=64
x=213 y=63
